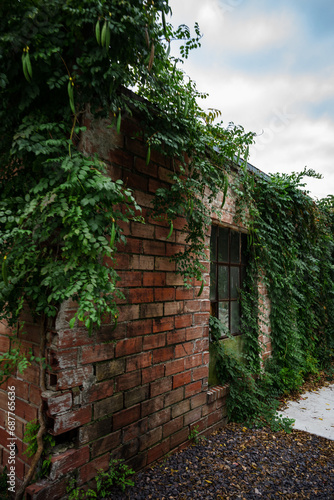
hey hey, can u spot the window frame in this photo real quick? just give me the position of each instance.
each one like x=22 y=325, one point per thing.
x=221 y=262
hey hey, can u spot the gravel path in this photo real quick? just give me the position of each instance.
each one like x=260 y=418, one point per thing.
x=240 y=463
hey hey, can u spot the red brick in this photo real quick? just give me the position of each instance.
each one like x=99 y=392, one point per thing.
x=172 y=249
x=67 y=421
x=178 y=438
x=95 y=430
x=59 y=403
x=143 y=199
x=173 y=308
x=193 y=361
x=154 y=279
x=73 y=338
x=164 y=264
x=159 y=418
x=128 y=346
x=173 y=426
x=25 y=410
x=182 y=350
x=30 y=374
x=132 y=245
x=154 y=248
x=138 y=362
x=141 y=166
x=214 y=417
x=201 y=319
x=21 y=388
x=98 y=391
x=126 y=417
x=180 y=408
x=130 y=278
x=176 y=337
x=161 y=386
x=161 y=233
x=108 y=406
x=152 y=406
x=201 y=372
x=151 y=310
x=174 y=279
x=175 y=366
x=152 y=373
x=63 y=359
x=183 y=321
x=161 y=355
x=136 y=395
x=192 y=306
x=128 y=313
x=140 y=295
x=154 y=341
x=106 y=443
x=164 y=294
x=193 y=388
x=198 y=400
x=142 y=262
x=110 y=369
x=184 y=293
x=137 y=181
x=181 y=379
x=174 y=396
x=192 y=416
x=89 y=471
x=44 y=490
x=73 y=378
x=201 y=345
x=142 y=327
x=158 y=451
x=5 y=330
x=4 y=343
x=91 y=354
x=196 y=332
x=150 y=438
x=128 y=381
x=122 y=261
x=163 y=324
x=134 y=430
x=139 y=230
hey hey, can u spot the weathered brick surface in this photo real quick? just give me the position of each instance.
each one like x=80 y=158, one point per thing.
x=133 y=392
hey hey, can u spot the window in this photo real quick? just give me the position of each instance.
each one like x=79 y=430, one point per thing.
x=227 y=272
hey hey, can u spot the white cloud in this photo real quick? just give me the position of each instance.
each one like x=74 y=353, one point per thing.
x=286 y=104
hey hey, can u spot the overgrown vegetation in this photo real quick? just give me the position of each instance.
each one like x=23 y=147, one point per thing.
x=61 y=215
x=107 y=482
x=30 y=438
x=291 y=253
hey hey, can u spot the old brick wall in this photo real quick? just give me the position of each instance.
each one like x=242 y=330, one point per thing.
x=27 y=394
x=135 y=392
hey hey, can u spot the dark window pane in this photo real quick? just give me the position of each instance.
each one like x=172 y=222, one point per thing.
x=235 y=283
x=223 y=245
x=235 y=247
x=243 y=274
x=213 y=281
x=213 y=243
x=243 y=248
x=224 y=313
x=235 y=317
x=222 y=282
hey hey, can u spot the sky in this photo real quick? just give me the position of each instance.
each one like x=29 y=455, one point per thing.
x=268 y=65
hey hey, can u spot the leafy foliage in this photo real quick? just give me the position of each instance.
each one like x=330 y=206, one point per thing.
x=117 y=476
x=30 y=438
x=291 y=252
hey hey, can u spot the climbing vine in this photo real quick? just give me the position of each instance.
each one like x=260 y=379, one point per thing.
x=291 y=251
x=61 y=214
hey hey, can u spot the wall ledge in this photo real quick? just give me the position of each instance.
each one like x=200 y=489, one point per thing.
x=217 y=392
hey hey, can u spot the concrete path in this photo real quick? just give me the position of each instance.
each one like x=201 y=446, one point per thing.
x=314 y=412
